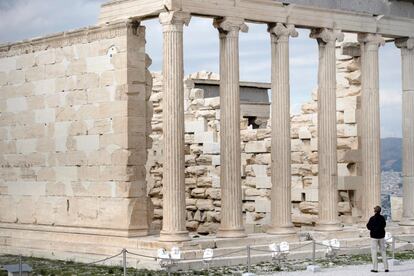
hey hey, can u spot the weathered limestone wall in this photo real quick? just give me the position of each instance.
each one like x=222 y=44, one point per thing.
x=202 y=180
x=73 y=131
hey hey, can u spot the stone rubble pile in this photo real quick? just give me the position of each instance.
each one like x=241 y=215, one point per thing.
x=202 y=156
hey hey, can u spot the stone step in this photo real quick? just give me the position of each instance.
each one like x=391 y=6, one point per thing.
x=86 y=248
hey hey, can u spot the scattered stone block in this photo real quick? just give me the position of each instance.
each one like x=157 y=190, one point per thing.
x=255 y=147
x=396 y=208
x=262 y=205
x=309 y=207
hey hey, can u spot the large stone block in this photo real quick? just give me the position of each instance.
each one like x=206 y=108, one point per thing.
x=204 y=204
x=196 y=126
x=66 y=173
x=55 y=70
x=301 y=219
x=35 y=73
x=98 y=64
x=297 y=145
x=8 y=146
x=304 y=133
x=259 y=170
x=343 y=169
x=309 y=207
x=76 y=67
x=311 y=194
x=211 y=148
x=45 y=115
x=347 y=103
x=87 y=143
x=26 y=188
x=350 y=116
x=205 y=137
x=3 y=78
x=16 y=77
x=396 y=208
x=43 y=87
x=263 y=182
x=46 y=57
x=262 y=205
x=16 y=105
x=25 y=209
x=25 y=61
x=26 y=146
x=8 y=203
x=256 y=147
x=8 y=64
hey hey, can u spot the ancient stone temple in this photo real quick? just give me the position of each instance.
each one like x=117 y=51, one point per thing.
x=98 y=153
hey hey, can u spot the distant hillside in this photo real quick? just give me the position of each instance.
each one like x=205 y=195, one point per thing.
x=391 y=154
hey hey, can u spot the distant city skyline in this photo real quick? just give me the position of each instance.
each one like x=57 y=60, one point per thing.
x=24 y=19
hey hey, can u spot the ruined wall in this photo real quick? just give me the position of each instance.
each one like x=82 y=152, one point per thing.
x=72 y=131
x=202 y=126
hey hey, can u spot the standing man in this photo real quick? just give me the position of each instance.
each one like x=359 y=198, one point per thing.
x=376 y=226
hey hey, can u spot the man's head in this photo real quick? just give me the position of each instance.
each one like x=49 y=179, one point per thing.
x=377 y=209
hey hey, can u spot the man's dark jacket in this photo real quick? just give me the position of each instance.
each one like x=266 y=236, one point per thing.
x=376 y=225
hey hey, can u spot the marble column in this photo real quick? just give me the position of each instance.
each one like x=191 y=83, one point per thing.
x=230 y=171
x=174 y=211
x=281 y=207
x=407 y=60
x=327 y=140
x=370 y=119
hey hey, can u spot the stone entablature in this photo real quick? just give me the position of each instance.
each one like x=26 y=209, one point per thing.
x=64 y=39
x=268 y=11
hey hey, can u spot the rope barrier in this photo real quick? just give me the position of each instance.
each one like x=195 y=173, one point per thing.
x=202 y=259
x=144 y=256
x=301 y=246
x=317 y=243
x=262 y=250
x=399 y=239
x=228 y=254
x=105 y=259
x=181 y=260
x=290 y=249
x=355 y=247
x=96 y=262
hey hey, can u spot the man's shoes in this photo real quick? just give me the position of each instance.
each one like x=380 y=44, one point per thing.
x=373 y=270
x=387 y=270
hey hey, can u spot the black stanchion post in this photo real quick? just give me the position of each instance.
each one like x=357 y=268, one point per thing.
x=20 y=265
x=248 y=258
x=313 y=252
x=393 y=248
x=124 y=261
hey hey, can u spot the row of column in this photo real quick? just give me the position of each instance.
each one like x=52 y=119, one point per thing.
x=174 y=228
x=407 y=60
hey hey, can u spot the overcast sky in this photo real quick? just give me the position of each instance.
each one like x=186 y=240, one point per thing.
x=22 y=19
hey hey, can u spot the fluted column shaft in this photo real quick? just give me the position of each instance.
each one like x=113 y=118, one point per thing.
x=173 y=226
x=407 y=60
x=370 y=130
x=281 y=212
x=230 y=171
x=327 y=142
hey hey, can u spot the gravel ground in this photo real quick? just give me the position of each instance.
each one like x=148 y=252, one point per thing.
x=405 y=269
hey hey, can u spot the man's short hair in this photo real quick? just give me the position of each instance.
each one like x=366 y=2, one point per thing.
x=377 y=209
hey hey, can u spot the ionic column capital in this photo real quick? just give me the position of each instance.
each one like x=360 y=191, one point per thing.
x=373 y=39
x=282 y=32
x=230 y=24
x=328 y=36
x=405 y=42
x=174 y=18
